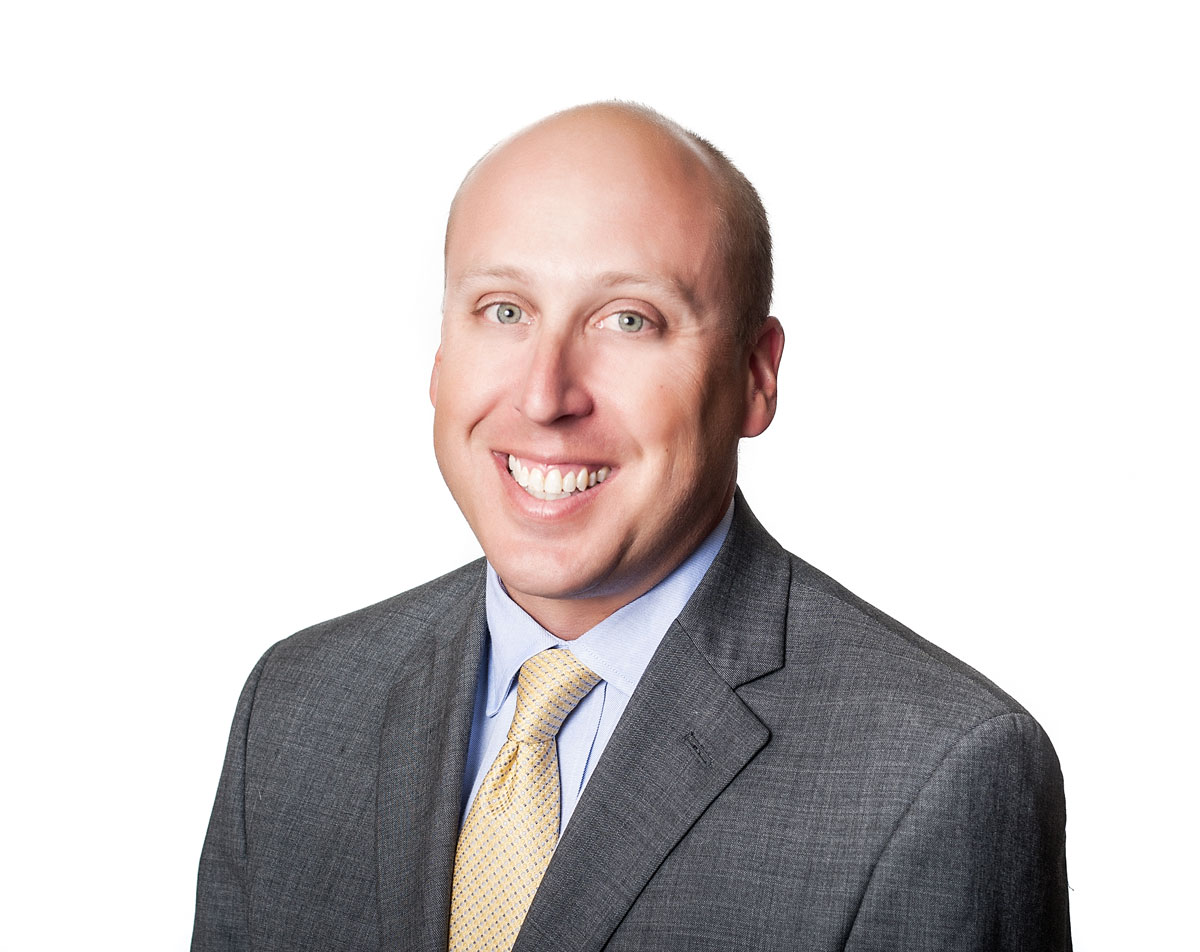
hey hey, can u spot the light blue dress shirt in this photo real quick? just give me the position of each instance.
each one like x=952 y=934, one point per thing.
x=618 y=649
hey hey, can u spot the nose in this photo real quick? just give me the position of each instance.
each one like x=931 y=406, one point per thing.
x=554 y=387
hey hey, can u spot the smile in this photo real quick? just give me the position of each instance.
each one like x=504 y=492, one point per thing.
x=549 y=482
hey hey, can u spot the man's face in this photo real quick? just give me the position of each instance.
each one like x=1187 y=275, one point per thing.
x=589 y=394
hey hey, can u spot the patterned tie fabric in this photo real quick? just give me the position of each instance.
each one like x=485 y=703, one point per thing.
x=512 y=828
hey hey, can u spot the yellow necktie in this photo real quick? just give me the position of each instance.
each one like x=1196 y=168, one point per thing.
x=512 y=828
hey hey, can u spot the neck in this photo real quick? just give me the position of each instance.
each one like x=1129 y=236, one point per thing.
x=568 y=618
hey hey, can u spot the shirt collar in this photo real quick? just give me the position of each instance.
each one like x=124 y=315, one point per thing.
x=618 y=649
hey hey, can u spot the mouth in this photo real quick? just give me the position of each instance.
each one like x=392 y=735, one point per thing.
x=555 y=480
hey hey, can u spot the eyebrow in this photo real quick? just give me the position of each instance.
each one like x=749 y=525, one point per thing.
x=510 y=274
x=609 y=279
x=675 y=286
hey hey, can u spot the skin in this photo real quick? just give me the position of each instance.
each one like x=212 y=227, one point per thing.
x=585 y=217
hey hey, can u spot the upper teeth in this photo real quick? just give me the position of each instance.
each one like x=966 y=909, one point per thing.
x=550 y=483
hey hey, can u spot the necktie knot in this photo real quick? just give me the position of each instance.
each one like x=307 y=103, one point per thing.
x=551 y=683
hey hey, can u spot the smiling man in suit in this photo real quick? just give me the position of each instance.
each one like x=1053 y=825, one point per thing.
x=640 y=724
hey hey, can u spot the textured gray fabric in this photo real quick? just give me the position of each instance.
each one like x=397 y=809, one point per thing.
x=795 y=771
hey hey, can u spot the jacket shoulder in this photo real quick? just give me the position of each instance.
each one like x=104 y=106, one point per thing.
x=880 y=654
x=391 y=627
x=353 y=660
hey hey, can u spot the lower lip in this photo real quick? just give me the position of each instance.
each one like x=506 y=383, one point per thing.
x=546 y=510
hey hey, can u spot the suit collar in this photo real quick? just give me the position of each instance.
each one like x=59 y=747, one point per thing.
x=423 y=752
x=684 y=737
x=737 y=618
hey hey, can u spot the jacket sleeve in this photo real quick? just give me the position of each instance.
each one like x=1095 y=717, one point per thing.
x=222 y=891
x=979 y=860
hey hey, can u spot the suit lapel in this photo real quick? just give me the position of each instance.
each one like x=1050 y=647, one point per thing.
x=684 y=737
x=423 y=751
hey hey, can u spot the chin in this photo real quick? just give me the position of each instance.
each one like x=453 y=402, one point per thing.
x=522 y=577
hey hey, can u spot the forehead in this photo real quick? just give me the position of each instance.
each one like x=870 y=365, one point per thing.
x=603 y=190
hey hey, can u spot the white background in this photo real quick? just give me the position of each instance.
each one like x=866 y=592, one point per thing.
x=220 y=275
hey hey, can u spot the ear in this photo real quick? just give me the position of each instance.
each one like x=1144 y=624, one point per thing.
x=433 y=377
x=762 y=377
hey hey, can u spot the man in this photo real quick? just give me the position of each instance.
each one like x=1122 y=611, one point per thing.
x=740 y=754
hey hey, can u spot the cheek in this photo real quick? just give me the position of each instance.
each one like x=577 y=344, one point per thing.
x=712 y=418
x=674 y=394
x=468 y=383
x=676 y=422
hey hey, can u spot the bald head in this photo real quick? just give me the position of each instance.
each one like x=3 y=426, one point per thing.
x=643 y=150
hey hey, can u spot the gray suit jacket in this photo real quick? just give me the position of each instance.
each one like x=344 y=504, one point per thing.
x=796 y=770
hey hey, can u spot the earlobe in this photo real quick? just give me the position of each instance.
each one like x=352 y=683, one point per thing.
x=762 y=377
x=433 y=377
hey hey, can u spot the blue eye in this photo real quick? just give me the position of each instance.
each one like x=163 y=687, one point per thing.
x=508 y=313
x=630 y=321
